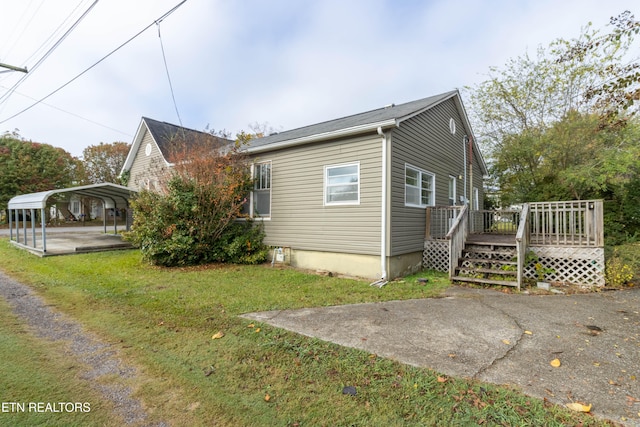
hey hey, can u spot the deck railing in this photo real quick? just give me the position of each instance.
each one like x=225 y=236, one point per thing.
x=457 y=237
x=494 y=221
x=574 y=223
x=439 y=220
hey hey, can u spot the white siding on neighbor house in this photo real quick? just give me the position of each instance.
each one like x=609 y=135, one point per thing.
x=425 y=141
x=299 y=217
x=145 y=167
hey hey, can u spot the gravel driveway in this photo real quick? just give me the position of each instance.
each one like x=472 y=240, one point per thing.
x=101 y=358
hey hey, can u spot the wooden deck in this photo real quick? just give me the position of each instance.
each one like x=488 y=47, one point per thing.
x=566 y=238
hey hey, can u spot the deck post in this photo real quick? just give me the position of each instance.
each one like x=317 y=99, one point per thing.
x=427 y=228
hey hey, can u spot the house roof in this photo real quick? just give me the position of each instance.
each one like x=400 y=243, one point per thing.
x=386 y=117
x=113 y=196
x=163 y=134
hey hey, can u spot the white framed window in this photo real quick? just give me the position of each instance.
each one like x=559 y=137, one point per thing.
x=262 y=189
x=258 y=203
x=452 y=190
x=419 y=187
x=342 y=184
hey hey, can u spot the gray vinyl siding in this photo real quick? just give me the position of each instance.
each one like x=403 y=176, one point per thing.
x=299 y=217
x=424 y=141
x=143 y=166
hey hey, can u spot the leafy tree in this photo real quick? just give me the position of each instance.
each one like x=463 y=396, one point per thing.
x=103 y=162
x=29 y=167
x=191 y=219
x=562 y=124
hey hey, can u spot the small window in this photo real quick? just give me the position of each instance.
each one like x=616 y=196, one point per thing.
x=342 y=184
x=262 y=189
x=418 y=187
x=452 y=190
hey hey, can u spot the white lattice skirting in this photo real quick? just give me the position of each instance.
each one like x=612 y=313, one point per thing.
x=436 y=255
x=577 y=265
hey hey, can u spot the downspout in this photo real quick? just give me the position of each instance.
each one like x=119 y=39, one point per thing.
x=464 y=154
x=383 y=214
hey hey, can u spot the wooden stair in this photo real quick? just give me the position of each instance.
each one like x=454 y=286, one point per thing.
x=488 y=262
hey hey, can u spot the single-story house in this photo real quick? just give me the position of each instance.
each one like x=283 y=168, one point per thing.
x=349 y=195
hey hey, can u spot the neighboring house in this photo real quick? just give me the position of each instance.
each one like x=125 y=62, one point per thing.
x=150 y=153
x=349 y=195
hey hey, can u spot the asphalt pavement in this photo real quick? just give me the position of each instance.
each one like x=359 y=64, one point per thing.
x=502 y=339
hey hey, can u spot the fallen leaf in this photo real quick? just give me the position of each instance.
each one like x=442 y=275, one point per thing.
x=442 y=379
x=596 y=363
x=507 y=342
x=579 y=407
x=217 y=335
x=250 y=325
x=257 y=329
x=267 y=397
x=452 y=355
x=528 y=332
x=555 y=363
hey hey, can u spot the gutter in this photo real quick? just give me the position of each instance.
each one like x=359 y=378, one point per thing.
x=369 y=127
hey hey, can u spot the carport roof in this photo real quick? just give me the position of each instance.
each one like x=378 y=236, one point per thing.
x=113 y=195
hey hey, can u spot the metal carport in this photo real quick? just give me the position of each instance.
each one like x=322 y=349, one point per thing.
x=113 y=196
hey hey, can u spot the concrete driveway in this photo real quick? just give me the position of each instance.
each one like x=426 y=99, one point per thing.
x=503 y=339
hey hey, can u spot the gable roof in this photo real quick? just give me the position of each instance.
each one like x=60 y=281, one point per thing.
x=384 y=118
x=163 y=134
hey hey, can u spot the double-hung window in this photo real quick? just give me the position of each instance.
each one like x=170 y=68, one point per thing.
x=342 y=184
x=419 y=187
x=262 y=189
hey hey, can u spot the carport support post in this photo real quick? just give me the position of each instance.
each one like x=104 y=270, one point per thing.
x=104 y=217
x=24 y=225
x=115 y=220
x=10 y=225
x=44 y=231
x=33 y=227
x=17 y=225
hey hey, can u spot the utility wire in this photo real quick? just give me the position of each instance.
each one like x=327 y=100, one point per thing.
x=94 y=64
x=54 y=33
x=72 y=114
x=7 y=94
x=164 y=58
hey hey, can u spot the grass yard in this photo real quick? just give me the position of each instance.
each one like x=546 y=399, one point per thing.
x=255 y=375
x=32 y=373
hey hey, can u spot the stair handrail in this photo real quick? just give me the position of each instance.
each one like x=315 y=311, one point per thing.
x=522 y=241
x=457 y=237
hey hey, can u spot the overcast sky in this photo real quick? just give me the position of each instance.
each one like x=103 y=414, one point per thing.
x=235 y=62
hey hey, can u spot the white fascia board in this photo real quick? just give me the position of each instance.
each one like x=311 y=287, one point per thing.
x=133 y=149
x=369 y=127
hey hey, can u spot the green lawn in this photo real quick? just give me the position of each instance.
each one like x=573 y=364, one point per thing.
x=257 y=375
x=35 y=373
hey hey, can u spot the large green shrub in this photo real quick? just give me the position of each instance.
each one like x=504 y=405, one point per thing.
x=194 y=218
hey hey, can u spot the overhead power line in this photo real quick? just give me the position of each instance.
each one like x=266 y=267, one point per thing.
x=164 y=58
x=73 y=114
x=95 y=63
x=46 y=55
